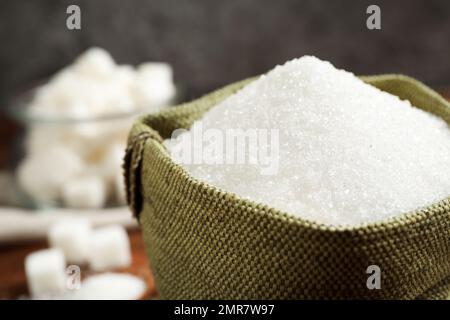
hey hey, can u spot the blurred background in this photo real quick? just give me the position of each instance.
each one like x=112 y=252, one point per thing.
x=208 y=44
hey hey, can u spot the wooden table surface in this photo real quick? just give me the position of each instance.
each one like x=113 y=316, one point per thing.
x=12 y=274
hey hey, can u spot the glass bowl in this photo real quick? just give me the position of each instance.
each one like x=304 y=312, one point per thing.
x=68 y=161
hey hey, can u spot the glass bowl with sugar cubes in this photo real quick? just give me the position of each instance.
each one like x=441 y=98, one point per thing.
x=76 y=129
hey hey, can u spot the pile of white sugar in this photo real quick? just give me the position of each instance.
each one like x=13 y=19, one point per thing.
x=348 y=153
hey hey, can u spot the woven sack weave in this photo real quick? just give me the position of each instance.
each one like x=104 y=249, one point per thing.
x=204 y=243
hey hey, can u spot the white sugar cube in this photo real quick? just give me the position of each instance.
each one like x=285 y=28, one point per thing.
x=112 y=160
x=110 y=248
x=156 y=70
x=95 y=62
x=85 y=138
x=154 y=85
x=124 y=75
x=42 y=174
x=72 y=236
x=84 y=192
x=45 y=272
x=40 y=137
x=155 y=94
x=111 y=286
x=119 y=101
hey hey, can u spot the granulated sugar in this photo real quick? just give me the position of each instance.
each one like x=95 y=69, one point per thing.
x=348 y=152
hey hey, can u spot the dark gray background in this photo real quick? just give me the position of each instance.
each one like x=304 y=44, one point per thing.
x=214 y=42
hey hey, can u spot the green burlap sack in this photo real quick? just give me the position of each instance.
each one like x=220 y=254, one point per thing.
x=207 y=244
